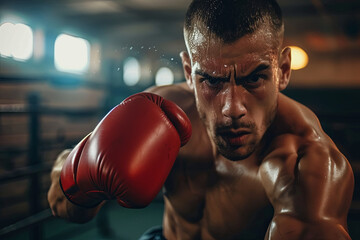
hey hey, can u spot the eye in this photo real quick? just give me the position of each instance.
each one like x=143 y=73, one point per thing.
x=212 y=82
x=254 y=80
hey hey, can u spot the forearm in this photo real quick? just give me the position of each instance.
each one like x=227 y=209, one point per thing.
x=63 y=208
x=284 y=226
x=59 y=204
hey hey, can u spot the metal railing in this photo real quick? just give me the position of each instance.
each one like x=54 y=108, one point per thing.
x=35 y=166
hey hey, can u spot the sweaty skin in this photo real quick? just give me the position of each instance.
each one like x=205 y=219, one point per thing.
x=252 y=149
x=299 y=172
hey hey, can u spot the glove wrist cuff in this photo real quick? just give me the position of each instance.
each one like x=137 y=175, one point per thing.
x=77 y=197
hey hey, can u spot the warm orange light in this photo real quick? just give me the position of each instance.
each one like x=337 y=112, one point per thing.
x=299 y=58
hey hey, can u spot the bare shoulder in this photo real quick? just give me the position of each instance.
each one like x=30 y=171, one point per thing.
x=307 y=179
x=326 y=176
x=300 y=150
x=178 y=93
x=324 y=160
x=313 y=147
x=310 y=188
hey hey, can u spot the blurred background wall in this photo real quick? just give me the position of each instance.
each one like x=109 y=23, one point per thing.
x=65 y=63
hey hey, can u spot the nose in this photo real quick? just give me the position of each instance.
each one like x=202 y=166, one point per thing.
x=233 y=106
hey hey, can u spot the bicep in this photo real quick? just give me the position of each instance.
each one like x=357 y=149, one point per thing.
x=318 y=198
x=325 y=185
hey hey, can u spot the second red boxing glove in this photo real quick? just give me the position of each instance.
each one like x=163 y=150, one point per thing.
x=129 y=154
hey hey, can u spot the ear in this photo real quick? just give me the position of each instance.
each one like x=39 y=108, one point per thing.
x=186 y=62
x=285 y=68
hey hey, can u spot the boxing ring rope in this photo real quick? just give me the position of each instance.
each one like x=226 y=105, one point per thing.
x=29 y=222
x=35 y=167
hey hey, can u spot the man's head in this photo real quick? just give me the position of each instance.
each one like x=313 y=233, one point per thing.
x=230 y=20
x=236 y=69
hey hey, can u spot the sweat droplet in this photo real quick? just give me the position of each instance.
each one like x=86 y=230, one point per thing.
x=171 y=59
x=131 y=48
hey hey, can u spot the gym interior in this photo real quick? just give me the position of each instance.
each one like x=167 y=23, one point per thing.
x=64 y=64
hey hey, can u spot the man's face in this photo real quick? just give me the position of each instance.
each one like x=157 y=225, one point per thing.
x=236 y=89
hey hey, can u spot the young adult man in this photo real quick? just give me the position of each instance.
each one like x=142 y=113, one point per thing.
x=252 y=148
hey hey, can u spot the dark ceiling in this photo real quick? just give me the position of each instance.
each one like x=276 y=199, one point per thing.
x=311 y=23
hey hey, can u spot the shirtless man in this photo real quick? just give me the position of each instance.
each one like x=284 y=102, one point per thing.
x=252 y=148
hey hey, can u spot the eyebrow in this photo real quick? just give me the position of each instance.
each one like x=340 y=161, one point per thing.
x=208 y=76
x=259 y=68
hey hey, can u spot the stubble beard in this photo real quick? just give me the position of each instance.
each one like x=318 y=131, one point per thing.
x=237 y=154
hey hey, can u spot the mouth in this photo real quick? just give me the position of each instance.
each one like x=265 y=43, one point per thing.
x=235 y=138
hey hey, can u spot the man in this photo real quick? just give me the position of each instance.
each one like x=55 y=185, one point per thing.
x=252 y=148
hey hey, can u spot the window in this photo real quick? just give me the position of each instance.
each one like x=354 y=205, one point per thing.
x=164 y=76
x=71 y=54
x=16 y=41
x=131 y=71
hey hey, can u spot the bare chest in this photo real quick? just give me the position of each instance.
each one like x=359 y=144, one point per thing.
x=218 y=200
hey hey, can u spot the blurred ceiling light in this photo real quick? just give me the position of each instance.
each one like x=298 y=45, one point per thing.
x=299 y=58
x=158 y=4
x=16 y=41
x=164 y=76
x=6 y=35
x=71 y=54
x=23 y=42
x=131 y=72
x=94 y=7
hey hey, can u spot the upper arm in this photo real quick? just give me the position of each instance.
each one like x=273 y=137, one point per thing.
x=326 y=184
x=312 y=195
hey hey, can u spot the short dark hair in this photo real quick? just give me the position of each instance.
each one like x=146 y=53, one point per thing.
x=231 y=19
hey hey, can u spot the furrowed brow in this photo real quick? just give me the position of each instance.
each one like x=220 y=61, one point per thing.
x=208 y=76
x=260 y=68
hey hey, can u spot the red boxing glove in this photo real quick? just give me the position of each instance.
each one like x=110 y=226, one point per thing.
x=129 y=154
